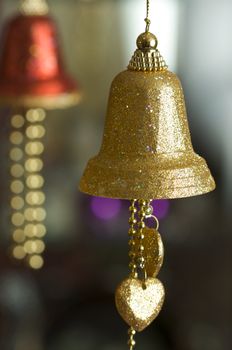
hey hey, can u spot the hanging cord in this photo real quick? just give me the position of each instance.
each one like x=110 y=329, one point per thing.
x=147 y=20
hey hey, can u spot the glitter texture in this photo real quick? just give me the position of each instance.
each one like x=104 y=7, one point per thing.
x=139 y=305
x=153 y=246
x=146 y=150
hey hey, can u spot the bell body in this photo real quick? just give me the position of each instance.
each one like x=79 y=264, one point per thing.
x=146 y=150
x=31 y=67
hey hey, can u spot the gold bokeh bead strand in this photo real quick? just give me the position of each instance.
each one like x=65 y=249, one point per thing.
x=17 y=187
x=34 y=213
x=132 y=237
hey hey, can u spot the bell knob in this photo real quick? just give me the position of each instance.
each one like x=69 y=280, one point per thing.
x=147 y=41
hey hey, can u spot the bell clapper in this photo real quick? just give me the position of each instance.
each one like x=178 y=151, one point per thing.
x=29 y=213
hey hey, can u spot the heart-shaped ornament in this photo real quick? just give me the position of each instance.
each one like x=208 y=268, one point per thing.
x=153 y=246
x=138 y=303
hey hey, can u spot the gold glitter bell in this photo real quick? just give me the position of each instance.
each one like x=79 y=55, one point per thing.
x=146 y=153
x=147 y=150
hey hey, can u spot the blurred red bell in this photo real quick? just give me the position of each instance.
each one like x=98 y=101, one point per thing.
x=31 y=67
x=32 y=79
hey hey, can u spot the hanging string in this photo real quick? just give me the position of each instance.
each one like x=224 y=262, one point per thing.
x=147 y=20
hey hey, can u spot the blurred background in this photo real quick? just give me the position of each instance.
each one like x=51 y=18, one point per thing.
x=69 y=304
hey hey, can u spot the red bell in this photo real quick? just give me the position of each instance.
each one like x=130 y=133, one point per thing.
x=31 y=66
x=32 y=79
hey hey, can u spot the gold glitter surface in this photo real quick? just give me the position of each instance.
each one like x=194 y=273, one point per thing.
x=146 y=150
x=137 y=304
x=153 y=246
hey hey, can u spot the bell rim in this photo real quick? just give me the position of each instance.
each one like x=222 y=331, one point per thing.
x=157 y=183
x=181 y=194
x=58 y=101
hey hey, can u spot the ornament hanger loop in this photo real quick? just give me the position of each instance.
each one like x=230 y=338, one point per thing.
x=156 y=221
x=148 y=22
x=142 y=275
x=144 y=278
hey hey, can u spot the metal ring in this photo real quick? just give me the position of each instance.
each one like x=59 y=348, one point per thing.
x=156 y=220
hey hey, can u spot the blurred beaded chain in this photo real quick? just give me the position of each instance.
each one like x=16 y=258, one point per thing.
x=26 y=186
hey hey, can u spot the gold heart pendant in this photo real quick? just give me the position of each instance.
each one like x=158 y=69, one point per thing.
x=154 y=249
x=139 y=302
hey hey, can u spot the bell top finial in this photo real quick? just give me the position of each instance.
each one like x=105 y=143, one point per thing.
x=147 y=57
x=33 y=7
x=147 y=41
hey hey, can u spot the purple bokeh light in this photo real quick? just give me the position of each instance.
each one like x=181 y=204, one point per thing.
x=161 y=208
x=105 y=208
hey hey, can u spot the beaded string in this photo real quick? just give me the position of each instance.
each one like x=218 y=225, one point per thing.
x=27 y=195
x=136 y=251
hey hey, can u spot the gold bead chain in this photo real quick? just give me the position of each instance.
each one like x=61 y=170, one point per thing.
x=145 y=210
x=140 y=235
x=132 y=255
x=132 y=235
x=136 y=251
x=137 y=225
x=131 y=341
